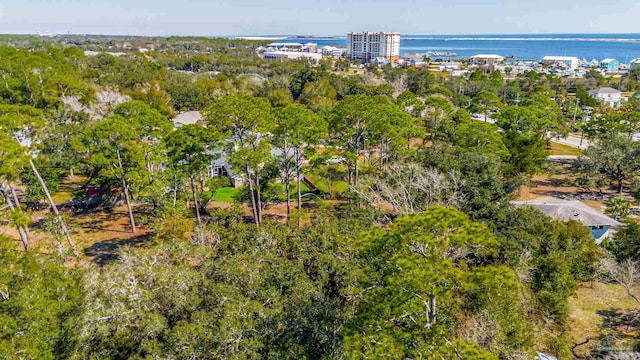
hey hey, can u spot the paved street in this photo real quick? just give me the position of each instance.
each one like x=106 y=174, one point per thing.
x=573 y=141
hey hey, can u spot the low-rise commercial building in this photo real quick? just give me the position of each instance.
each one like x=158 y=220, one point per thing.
x=293 y=46
x=291 y=55
x=332 y=51
x=487 y=59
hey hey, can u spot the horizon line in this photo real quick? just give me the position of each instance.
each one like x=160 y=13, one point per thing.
x=45 y=34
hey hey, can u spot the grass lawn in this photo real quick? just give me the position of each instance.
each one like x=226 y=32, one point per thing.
x=66 y=189
x=596 y=312
x=339 y=186
x=62 y=197
x=226 y=194
x=561 y=149
x=294 y=189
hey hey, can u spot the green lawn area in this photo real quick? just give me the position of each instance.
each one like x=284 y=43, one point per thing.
x=66 y=191
x=226 y=194
x=294 y=189
x=561 y=149
x=62 y=197
x=595 y=311
x=339 y=186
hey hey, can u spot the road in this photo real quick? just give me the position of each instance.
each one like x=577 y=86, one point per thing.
x=571 y=140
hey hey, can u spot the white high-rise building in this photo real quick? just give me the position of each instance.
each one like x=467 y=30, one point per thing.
x=367 y=46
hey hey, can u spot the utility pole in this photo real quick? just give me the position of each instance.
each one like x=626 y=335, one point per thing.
x=575 y=112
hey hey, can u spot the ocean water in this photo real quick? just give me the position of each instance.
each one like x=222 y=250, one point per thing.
x=623 y=47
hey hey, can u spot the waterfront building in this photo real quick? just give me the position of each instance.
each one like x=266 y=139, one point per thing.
x=293 y=46
x=609 y=65
x=332 y=51
x=607 y=95
x=570 y=62
x=634 y=64
x=367 y=46
x=291 y=55
x=487 y=59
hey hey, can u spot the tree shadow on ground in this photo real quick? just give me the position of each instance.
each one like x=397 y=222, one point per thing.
x=106 y=251
x=622 y=321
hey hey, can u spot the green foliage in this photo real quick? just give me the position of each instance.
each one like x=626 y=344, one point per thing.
x=39 y=296
x=51 y=177
x=528 y=154
x=478 y=136
x=439 y=255
x=618 y=207
x=300 y=80
x=419 y=81
x=484 y=101
x=614 y=158
x=625 y=244
x=318 y=287
x=550 y=255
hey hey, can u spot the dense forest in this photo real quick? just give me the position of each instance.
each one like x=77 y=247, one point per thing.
x=396 y=236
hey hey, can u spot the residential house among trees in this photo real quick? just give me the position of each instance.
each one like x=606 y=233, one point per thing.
x=607 y=95
x=187 y=118
x=564 y=210
x=609 y=65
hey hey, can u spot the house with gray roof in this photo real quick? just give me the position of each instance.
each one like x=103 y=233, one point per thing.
x=565 y=210
x=187 y=118
x=607 y=95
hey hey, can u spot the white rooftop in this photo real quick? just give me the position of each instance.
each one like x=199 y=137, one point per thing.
x=487 y=56
x=607 y=60
x=280 y=44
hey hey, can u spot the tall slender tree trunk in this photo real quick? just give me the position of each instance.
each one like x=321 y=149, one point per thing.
x=357 y=169
x=6 y=86
x=28 y=86
x=252 y=195
x=287 y=189
x=125 y=188
x=435 y=132
x=17 y=202
x=287 y=175
x=175 y=190
x=258 y=198
x=195 y=199
x=24 y=236
x=298 y=177
x=54 y=208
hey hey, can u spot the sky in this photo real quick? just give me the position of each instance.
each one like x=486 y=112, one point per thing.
x=313 y=17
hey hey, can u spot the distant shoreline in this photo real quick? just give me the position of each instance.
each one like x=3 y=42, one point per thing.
x=503 y=37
